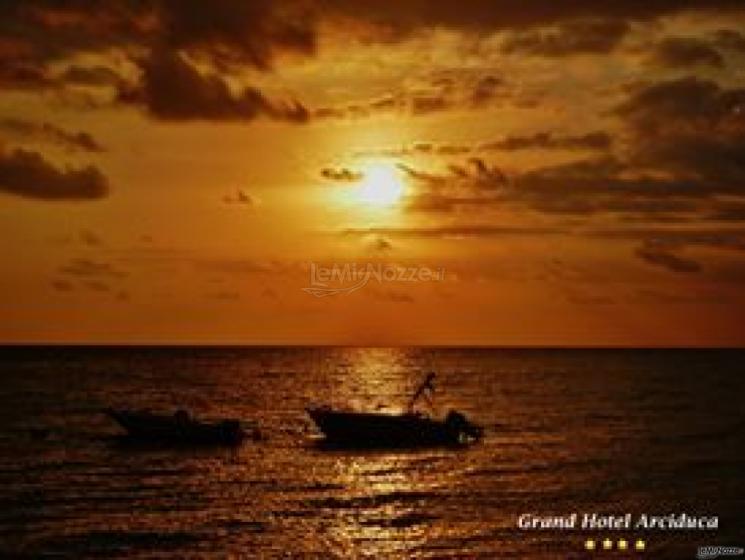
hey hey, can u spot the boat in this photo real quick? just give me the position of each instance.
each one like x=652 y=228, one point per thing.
x=178 y=428
x=389 y=430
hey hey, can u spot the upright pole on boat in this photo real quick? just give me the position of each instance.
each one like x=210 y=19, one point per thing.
x=427 y=384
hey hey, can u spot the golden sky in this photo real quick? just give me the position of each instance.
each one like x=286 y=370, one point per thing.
x=172 y=171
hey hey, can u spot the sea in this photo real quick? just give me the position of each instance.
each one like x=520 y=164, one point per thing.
x=607 y=431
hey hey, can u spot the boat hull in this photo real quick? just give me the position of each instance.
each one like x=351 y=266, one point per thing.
x=359 y=429
x=156 y=428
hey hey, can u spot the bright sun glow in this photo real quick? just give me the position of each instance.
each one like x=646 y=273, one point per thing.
x=381 y=185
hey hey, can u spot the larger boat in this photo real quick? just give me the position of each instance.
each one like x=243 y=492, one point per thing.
x=385 y=430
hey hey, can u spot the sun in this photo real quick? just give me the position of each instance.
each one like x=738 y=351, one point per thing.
x=381 y=185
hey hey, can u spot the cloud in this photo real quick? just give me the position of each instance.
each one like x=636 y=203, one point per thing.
x=91 y=269
x=425 y=104
x=27 y=174
x=684 y=52
x=476 y=173
x=729 y=39
x=454 y=231
x=23 y=75
x=689 y=128
x=659 y=256
x=485 y=15
x=380 y=244
x=421 y=148
x=173 y=89
x=342 y=175
x=225 y=31
x=550 y=141
x=239 y=32
x=592 y=185
x=486 y=90
x=437 y=91
x=240 y=197
x=21 y=128
x=584 y=36
x=62 y=286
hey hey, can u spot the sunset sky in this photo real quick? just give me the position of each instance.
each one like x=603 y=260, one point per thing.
x=169 y=170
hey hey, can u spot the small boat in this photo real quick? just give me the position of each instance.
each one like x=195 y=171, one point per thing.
x=178 y=428
x=389 y=430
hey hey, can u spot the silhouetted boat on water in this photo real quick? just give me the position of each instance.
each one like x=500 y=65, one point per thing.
x=179 y=428
x=409 y=429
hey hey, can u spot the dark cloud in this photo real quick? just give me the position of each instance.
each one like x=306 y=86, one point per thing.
x=240 y=197
x=550 y=141
x=239 y=32
x=24 y=129
x=36 y=35
x=476 y=173
x=683 y=52
x=441 y=90
x=486 y=90
x=729 y=39
x=581 y=188
x=173 y=89
x=486 y=15
x=225 y=31
x=592 y=36
x=22 y=75
x=341 y=174
x=416 y=149
x=425 y=104
x=381 y=244
x=28 y=174
x=689 y=128
x=657 y=255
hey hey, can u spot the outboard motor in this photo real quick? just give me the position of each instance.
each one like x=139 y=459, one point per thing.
x=458 y=422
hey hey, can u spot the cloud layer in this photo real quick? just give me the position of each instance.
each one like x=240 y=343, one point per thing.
x=28 y=174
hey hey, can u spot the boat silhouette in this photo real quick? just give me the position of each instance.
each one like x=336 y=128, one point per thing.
x=179 y=428
x=390 y=430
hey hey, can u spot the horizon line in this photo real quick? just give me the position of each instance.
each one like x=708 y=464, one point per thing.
x=226 y=345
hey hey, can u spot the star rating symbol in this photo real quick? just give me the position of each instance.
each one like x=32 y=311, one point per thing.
x=607 y=544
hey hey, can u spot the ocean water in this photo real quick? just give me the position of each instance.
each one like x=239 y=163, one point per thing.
x=607 y=431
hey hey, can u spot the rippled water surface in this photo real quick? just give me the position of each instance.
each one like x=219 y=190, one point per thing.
x=567 y=430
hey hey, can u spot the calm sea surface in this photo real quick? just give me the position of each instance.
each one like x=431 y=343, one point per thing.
x=608 y=431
